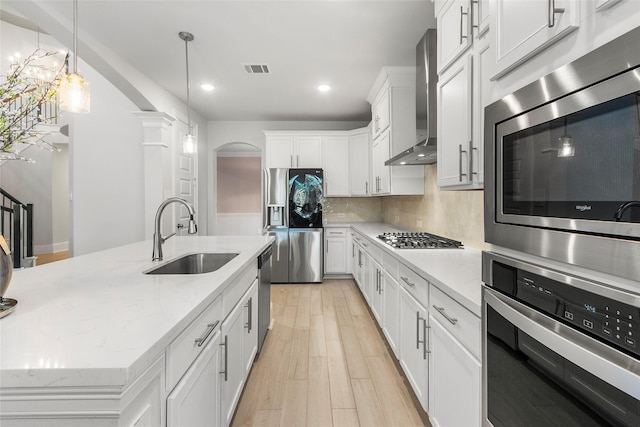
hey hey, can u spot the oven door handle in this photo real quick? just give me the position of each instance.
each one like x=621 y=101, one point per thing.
x=610 y=365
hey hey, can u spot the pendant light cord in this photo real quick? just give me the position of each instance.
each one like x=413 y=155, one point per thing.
x=75 y=36
x=186 y=54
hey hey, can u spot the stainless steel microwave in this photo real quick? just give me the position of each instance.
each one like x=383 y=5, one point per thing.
x=562 y=157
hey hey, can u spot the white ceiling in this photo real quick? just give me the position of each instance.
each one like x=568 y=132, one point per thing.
x=305 y=43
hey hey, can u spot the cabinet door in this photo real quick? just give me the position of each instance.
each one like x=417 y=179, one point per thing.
x=336 y=166
x=280 y=152
x=377 y=292
x=195 y=401
x=413 y=345
x=360 y=164
x=308 y=152
x=335 y=253
x=454 y=124
x=454 y=32
x=390 y=295
x=381 y=114
x=480 y=16
x=250 y=336
x=481 y=97
x=232 y=365
x=523 y=28
x=382 y=177
x=367 y=276
x=455 y=377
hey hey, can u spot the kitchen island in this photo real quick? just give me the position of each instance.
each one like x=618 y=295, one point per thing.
x=94 y=341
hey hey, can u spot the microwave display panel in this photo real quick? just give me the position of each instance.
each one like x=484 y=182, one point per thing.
x=584 y=165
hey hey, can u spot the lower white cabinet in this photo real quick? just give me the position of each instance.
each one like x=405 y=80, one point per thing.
x=250 y=333
x=195 y=401
x=454 y=381
x=335 y=251
x=414 y=346
x=232 y=364
x=390 y=295
x=377 y=301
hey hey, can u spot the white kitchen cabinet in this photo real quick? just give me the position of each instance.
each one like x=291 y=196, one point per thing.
x=360 y=163
x=521 y=29
x=480 y=14
x=395 y=88
x=195 y=401
x=454 y=124
x=367 y=274
x=454 y=381
x=335 y=162
x=414 y=346
x=250 y=335
x=381 y=173
x=381 y=114
x=454 y=32
x=288 y=150
x=232 y=364
x=335 y=252
x=390 y=306
x=377 y=292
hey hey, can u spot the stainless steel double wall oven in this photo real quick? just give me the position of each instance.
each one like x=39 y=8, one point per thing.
x=561 y=305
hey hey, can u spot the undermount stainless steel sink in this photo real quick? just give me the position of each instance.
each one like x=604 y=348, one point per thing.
x=196 y=263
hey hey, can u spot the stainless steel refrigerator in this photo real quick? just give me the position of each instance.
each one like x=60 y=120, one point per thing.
x=292 y=213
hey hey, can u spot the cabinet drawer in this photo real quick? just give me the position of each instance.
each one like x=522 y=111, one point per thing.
x=375 y=252
x=460 y=322
x=232 y=294
x=390 y=265
x=335 y=232
x=414 y=284
x=186 y=347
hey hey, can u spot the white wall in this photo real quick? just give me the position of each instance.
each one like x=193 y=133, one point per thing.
x=60 y=199
x=220 y=133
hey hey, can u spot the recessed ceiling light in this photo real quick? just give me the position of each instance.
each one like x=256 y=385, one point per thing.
x=208 y=87
x=403 y=163
x=324 y=88
x=421 y=155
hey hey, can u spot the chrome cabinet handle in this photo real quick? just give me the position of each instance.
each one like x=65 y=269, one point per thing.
x=462 y=13
x=335 y=232
x=249 y=306
x=366 y=187
x=460 y=151
x=472 y=24
x=441 y=310
x=424 y=331
x=297 y=160
x=418 y=330
x=406 y=280
x=471 y=159
x=225 y=344
x=552 y=12
x=210 y=328
x=353 y=250
x=291 y=160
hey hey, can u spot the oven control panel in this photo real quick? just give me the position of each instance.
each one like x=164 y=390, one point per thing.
x=610 y=320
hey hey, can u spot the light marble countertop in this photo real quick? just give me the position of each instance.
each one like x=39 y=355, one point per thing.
x=98 y=320
x=456 y=272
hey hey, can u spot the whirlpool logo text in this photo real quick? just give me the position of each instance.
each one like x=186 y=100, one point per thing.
x=583 y=208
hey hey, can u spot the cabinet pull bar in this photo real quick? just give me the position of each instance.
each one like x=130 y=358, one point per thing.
x=297 y=160
x=472 y=24
x=366 y=187
x=552 y=12
x=291 y=160
x=462 y=13
x=210 y=328
x=424 y=343
x=441 y=310
x=249 y=306
x=225 y=344
x=408 y=282
x=460 y=151
x=471 y=160
x=417 y=330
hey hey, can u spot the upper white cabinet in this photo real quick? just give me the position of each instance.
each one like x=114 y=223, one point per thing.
x=293 y=151
x=521 y=29
x=335 y=160
x=463 y=91
x=360 y=162
x=393 y=111
x=454 y=32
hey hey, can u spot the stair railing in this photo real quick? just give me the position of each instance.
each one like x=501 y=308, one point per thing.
x=16 y=225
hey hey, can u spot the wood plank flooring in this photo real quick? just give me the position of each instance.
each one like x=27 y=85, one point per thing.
x=325 y=363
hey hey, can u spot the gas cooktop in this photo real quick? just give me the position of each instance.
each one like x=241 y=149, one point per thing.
x=419 y=240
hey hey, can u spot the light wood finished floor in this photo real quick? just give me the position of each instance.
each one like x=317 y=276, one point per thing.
x=51 y=257
x=325 y=363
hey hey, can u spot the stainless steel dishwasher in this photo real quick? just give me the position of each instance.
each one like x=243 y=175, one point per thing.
x=264 y=295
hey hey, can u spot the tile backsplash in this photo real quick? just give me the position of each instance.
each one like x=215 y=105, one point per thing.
x=458 y=215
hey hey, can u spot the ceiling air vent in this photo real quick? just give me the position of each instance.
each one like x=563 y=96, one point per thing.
x=256 y=68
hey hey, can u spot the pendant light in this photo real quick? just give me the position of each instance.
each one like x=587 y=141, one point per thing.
x=74 y=91
x=567 y=146
x=189 y=141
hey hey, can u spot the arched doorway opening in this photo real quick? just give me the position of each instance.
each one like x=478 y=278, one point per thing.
x=238 y=190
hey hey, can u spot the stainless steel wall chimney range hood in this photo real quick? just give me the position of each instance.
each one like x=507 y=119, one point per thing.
x=425 y=151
